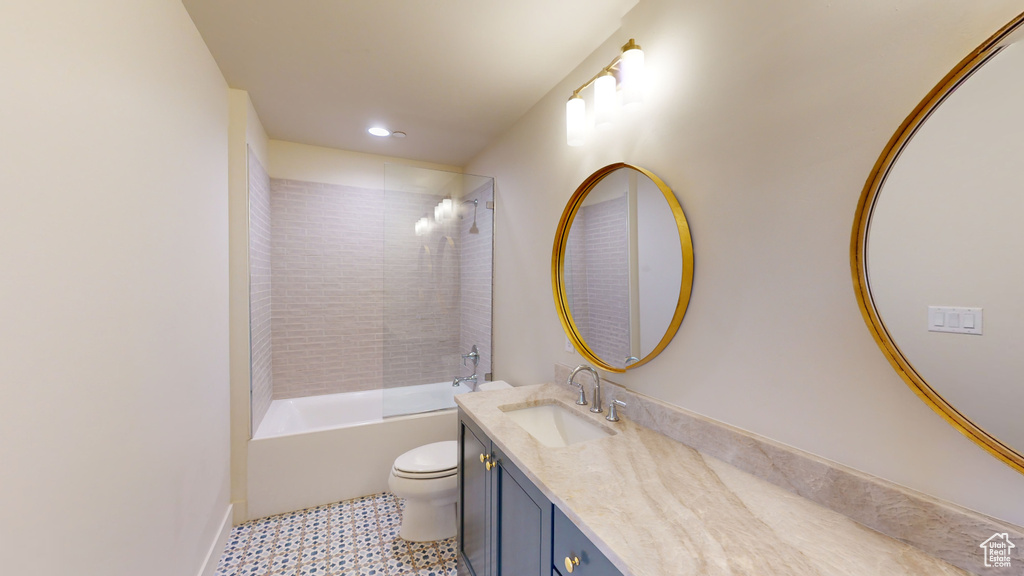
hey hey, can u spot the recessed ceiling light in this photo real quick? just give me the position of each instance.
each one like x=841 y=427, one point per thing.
x=398 y=134
x=378 y=131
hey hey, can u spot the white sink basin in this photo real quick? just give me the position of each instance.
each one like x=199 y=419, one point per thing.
x=554 y=426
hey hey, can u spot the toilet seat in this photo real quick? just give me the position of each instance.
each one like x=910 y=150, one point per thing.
x=424 y=476
x=437 y=460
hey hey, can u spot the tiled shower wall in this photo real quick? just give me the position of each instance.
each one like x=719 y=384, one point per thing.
x=345 y=296
x=360 y=302
x=259 y=290
x=600 y=250
x=575 y=271
x=328 y=276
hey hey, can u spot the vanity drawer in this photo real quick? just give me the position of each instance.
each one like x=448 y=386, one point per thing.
x=570 y=546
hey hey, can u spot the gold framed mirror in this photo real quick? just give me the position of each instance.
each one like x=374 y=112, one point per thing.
x=935 y=247
x=622 y=267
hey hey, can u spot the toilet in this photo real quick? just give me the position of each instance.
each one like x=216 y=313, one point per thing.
x=427 y=478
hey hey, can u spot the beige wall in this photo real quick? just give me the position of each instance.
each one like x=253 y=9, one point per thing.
x=113 y=290
x=291 y=161
x=245 y=133
x=765 y=118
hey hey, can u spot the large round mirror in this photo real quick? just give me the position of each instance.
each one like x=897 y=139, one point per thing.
x=622 y=267
x=938 y=247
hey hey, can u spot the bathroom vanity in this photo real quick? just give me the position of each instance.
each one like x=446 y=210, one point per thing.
x=506 y=523
x=628 y=500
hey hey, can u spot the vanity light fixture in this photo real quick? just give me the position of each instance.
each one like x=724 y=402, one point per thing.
x=623 y=77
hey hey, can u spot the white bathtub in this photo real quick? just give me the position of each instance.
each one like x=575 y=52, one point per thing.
x=323 y=449
x=316 y=413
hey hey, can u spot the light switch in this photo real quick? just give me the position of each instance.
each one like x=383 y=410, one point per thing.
x=955 y=319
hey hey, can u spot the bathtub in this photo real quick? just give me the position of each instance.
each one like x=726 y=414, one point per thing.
x=323 y=449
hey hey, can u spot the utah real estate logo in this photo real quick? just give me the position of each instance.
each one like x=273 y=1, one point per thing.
x=997 y=550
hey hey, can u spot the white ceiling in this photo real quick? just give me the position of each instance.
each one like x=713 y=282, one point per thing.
x=452 y=74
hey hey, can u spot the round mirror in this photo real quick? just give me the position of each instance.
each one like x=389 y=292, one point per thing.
x=937 y=247
x=622 y=267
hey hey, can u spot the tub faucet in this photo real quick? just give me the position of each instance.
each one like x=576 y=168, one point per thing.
x=474 y=356
x=460 y=379
x=597 y=386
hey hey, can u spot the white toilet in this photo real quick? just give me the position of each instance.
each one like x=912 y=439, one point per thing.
x=427 y=478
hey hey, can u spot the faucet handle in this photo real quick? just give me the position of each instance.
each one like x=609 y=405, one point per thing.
x=582 y=400
x=473 y=355
x=613 y=413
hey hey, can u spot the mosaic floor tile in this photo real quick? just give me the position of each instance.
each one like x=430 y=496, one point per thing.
x=353 y=538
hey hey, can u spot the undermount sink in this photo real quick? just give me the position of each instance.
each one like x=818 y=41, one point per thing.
x=555 y=426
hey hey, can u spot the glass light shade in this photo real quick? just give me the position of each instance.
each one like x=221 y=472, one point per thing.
x=446 y=208
x=632 y=67
x=437 y=213
x=605 y=101
x=575 y=121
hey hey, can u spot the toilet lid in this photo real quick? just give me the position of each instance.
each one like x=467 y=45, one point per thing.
x=430 y=460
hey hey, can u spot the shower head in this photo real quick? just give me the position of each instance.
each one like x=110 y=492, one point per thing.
x=475 y=202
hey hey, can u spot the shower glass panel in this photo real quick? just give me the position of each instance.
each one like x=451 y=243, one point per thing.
x=437 y=286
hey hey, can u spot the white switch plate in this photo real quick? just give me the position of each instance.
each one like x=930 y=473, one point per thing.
x=568 y=346
x=954 y=319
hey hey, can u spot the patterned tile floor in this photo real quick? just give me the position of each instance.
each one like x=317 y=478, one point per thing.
x=356 y=537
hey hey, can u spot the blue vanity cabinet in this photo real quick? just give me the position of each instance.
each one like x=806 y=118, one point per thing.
x=504 y=519
x=474 y=507
x=571 y=547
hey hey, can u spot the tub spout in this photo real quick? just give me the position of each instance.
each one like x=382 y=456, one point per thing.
x=460 y=379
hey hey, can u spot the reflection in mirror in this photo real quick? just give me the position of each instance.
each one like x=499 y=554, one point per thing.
x=941 y=230
x=623 y=261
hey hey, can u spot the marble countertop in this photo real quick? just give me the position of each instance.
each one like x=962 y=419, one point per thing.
x=655 y=506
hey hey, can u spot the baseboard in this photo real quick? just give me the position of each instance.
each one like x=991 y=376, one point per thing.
x=217 y=548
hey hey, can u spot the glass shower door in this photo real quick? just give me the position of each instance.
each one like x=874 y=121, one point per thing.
x=437 y=286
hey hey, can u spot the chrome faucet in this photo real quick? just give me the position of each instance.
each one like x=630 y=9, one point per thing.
x=473 y=355
x=583 y=395
x=460 y=379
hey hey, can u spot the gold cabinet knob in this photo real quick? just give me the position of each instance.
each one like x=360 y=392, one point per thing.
x=484 y=457
x=571 y=563
x=490 y=465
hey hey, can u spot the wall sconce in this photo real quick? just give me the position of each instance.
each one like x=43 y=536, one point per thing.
x=623 y=77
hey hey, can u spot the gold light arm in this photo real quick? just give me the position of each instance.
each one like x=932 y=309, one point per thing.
x=610 y=68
